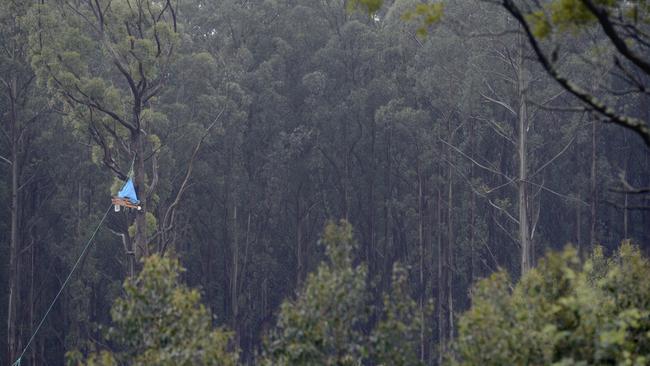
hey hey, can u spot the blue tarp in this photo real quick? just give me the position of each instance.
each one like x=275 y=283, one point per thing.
x=128 y=191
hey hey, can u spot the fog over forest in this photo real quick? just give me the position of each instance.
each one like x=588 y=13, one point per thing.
x=324 y=182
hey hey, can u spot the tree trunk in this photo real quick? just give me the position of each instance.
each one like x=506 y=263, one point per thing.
x=594 y=196
x=386 y=265
x=210 y=275
x=299 y=250
x=472 y=215
x=625 y=218
x=441 y=282
x=140 y=243
x=234 y=285
x=226 y=237
x=13 y=328
x=626 y=201
x=579 y=229
x=422 y=262
x=522 y=194
x=449 y=260
x=32 y=273
x=371 y=254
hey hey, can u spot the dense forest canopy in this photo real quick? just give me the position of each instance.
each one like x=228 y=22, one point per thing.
x=324 y=181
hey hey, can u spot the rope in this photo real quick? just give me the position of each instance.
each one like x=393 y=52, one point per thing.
x=130 y=175
x=17 y=362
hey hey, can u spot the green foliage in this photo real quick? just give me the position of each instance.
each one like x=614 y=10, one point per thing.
x=322 y=326
x=371 y=6
x=426 y=15
x=102 y=358
x=566 y=15
x=151 y=221
x=323 y=113
x=395 y=339
x=160 y=321
x=561 y=312
x=104 y=75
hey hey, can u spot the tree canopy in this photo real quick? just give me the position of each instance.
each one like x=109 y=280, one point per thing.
x=563 y=313
x=160 y=321
x=458 y=138
x=323 y=326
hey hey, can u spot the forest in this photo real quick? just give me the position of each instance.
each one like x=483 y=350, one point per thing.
x=324 y=182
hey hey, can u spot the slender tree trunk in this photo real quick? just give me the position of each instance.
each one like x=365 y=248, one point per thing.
x=522 y=147
x=386 y=265
x=79 y=201
x=594 y=195
x=32 y=272
x=422 y=262
x=472 y=204
x=210 y=275
x=13 y=329
x=625 y=217
x=431 y=242
x=625 y=202
x=441 y=283
x=372 y=250
x=140 y=243
x=234 y=285
x=299 y=250
x=226 y=239
x=449 y=260
x=579 y=229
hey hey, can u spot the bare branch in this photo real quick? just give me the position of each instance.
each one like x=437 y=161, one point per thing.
x=619 y=43
x=628 y=188
x=638 y=126
x=503 y=104
x=553 y=158
x=168 y=221
x=489 y=169
x=496 y=128
x=636 y=208
x=483 y=195
x=154 y=180
x=566 y=197
x=508 y=234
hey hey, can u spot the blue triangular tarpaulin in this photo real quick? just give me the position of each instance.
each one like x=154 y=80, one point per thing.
x=128 y=191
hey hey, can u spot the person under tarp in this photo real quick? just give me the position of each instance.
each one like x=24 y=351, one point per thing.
x=126 y=197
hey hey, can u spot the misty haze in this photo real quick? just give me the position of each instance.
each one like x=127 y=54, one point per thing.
x=324 y=182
